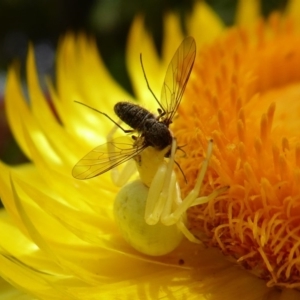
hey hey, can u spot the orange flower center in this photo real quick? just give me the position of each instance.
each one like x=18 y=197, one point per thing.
x=244 y=93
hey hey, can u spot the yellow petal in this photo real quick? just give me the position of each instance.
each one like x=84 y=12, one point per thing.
x=13 y=91
x=247 y=13
x=203 y=24
x=8 y=292
x=140 y=42
x=173 y=36
x=293 y=10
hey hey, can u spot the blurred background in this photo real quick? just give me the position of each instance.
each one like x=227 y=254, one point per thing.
x=43 y=22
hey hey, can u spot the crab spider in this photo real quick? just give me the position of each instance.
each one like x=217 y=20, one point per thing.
x=150 y=211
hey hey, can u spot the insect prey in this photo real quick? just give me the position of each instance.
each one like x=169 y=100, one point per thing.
x=146 y=128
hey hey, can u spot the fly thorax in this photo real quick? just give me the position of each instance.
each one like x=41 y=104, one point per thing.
x=157 y=134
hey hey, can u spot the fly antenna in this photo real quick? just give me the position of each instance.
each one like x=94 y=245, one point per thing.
x=106 y=115
x=148 y=85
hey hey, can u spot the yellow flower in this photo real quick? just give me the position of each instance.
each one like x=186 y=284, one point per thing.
x=58 y=238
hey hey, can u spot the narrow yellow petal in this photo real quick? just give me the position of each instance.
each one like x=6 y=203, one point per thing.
x=293 y=11
x=203 y=24
x=8 y=292
x=15 y=98
x=247 y=13
x=38 y=102
x=140 y=42
x=173 y=36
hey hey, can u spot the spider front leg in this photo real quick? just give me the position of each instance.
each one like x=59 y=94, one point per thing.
x=164 y=202
x=192 y=198
x=164 y=196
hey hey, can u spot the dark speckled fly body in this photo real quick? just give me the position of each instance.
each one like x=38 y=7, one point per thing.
x=154 y=132
x=151 y=130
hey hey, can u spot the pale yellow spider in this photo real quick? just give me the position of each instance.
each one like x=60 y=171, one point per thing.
x=160 y=203
x=149 y=211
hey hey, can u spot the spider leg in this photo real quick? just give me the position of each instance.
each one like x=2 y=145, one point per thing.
x=211 y=196
x=192 y=198
x=156 y=196
x=182 y=227
x=160 y=190
x=173 y=201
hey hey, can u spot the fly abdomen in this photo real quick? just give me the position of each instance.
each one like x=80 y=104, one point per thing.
x=133 y=115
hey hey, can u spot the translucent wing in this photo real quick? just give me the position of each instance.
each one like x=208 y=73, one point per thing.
x=176 y=78
x=101 y=159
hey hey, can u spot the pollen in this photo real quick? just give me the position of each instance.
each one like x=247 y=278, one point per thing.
x=244 y=93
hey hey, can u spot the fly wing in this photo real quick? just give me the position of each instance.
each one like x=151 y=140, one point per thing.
x=176 y=78
x=106 y=157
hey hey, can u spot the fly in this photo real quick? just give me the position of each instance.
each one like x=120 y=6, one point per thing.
x=151 y=130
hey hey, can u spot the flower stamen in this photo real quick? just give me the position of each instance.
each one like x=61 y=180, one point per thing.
x=249 y=106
